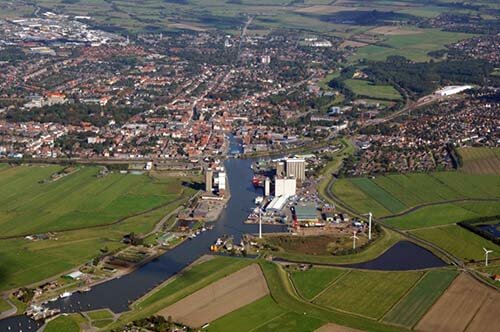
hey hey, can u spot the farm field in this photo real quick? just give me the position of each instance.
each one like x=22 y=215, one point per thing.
x=416 y=303
x=330 y=327
x=392 y=194
x=459 y=242
x=246 y=318
x=219 y=298
x=413 y=46
x=466 y=305
x=480 y=160
x=311 y=282
x=368 y=293
x=443 y=214
x=31 y=201
x=25 y=262
x=368 y=89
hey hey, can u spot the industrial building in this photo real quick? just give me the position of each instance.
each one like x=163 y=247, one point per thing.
x=285 y=187
x=452 y=90
x=277 y=204
x=296 y=168
x=306 y=214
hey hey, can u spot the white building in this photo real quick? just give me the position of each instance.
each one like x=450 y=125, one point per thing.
x=285 y=187
x=267 y=187
x=277 y=204
x=452 y=90
x=222 y=180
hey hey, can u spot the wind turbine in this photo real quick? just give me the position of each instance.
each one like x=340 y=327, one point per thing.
x=370 y=215
x=354 y=238
x=486 y=253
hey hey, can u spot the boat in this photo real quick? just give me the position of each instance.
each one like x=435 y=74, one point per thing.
x=65 y=295
x=256 y=181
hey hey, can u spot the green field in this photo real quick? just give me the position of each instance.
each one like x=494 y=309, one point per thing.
x=416 y=303
x=4 y=305
x=368 y=293
x=81 y=199
x=414 y=47
x=387 y=195
x=309 y=283
x=62 y=323
x=25 y=262
x=100 y=314
x=444 y=214
x=246 y=318
x=368 y=89
x=282 y=292
x=459 y=242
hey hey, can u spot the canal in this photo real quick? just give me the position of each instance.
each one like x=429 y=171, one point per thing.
x=117 y=294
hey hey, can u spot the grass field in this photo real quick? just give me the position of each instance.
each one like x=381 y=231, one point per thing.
x=414 y=47
x=4 y=306
x=62 y=323
x=80 y=199
x=386 y=195
x=416 y=303
x=368 y=89
x=459 y=242
x=309 y=283
x=100 y=314
x=480 y=160
x=244 y=319
x=444 y=214
x=25 y=262
x=368 y=293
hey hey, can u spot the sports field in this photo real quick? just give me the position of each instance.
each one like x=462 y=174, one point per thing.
x=391 y=194
x=416 y=303
x=368 y=293
x=480 y=160
x=31 y=201
x=368 y=89
x=459 y=241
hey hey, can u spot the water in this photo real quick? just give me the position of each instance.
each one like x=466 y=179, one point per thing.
x=494 y=230
x=402 y=256
x=117 y=294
